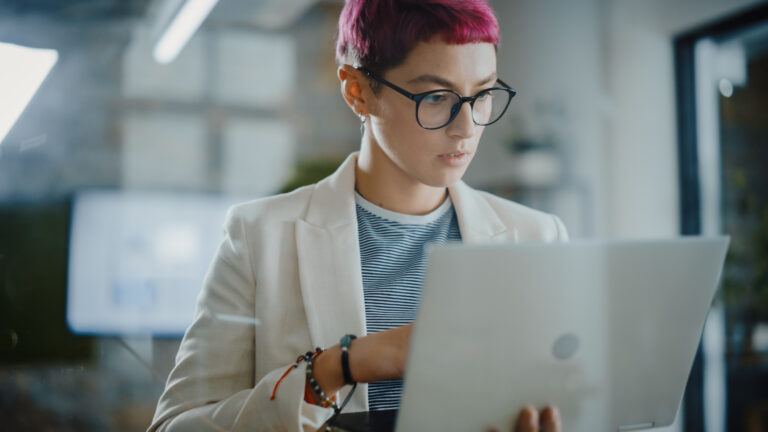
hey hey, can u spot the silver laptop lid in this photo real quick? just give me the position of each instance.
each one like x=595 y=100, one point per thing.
x=605 y=330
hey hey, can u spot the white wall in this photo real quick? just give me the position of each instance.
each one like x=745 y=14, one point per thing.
x=607 y=68
x=642 y=177
x=551 y=53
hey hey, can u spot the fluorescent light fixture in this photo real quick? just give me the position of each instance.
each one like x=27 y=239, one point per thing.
x=181 y=29
x=22 y=73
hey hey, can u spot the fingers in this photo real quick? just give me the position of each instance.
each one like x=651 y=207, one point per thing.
x=550 y=420
x=527 y=420
x=531 y=420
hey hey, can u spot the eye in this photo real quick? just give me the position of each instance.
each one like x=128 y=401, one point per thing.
x=485 y=95
x=434 y=98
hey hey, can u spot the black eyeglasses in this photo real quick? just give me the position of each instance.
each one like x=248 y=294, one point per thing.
x=436 y=108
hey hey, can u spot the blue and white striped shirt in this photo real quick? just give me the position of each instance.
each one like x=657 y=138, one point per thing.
x=393 y=258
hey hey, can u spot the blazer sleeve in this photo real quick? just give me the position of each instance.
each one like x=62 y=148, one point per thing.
x=213 y=386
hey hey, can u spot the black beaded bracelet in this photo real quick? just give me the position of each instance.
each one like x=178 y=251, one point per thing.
x=345 y=342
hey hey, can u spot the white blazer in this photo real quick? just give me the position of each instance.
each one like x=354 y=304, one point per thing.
x=292 y=262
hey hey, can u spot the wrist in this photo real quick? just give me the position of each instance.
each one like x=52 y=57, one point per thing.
x=327 y=372
x=372 y=357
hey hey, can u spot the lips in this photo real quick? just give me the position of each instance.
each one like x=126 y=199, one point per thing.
x=453 y=154
x=454 y=159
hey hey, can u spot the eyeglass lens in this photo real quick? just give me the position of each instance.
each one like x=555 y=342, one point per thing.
x=438 y=108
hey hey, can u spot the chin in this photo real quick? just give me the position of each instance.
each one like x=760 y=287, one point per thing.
x=446 y=179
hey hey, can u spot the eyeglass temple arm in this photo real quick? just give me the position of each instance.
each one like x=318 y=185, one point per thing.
x=402 y=91
x=506 y=85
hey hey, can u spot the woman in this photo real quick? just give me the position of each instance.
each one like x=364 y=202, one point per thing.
x=346 y=255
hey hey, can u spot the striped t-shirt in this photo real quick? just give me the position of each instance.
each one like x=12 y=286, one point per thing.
x=393 y=258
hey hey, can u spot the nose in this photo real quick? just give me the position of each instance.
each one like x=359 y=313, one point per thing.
x=462 y=125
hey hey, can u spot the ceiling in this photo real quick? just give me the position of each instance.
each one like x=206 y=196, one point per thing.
x=266 y=14
x=77 y=9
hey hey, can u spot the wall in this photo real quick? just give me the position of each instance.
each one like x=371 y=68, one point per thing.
x=642 y=177
x=551 y=53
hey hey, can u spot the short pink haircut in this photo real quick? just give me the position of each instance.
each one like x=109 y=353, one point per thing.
x=379 y=34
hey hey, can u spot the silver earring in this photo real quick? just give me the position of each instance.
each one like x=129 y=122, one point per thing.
x=362 y=123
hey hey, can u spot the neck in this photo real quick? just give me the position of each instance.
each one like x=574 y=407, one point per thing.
x=379 y=180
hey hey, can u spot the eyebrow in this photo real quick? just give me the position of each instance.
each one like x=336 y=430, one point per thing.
x=429 y=78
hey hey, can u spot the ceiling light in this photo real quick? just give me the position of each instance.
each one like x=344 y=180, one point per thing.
x=180 y=30
x=22 y=73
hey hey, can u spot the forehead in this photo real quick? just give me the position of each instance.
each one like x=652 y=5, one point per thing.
x=465 y=63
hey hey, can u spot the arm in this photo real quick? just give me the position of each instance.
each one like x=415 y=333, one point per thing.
x=374 y=357
x=212 y=387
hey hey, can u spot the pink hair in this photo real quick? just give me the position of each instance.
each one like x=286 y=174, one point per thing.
x=379 y=34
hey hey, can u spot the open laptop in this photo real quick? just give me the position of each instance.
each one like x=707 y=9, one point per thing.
x=605 y=330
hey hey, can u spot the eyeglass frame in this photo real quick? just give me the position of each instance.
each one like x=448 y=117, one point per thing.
x=418 y=97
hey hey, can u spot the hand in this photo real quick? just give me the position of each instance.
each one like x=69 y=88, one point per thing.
x=531 y=420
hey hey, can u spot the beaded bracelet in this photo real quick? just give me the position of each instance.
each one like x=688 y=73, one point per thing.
x=309 y=357
x=326 y=401
x=295 y=365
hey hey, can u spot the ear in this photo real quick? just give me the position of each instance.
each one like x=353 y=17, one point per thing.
x=355 y=90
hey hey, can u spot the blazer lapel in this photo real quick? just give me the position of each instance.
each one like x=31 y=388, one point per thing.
x=478 y=221
x=329 y=265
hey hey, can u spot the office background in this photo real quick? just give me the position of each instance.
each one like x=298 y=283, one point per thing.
x=633 y=119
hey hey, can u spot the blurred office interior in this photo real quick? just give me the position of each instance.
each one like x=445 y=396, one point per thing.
x=124 y=139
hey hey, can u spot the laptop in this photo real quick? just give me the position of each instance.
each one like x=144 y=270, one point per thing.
x=605 y=330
